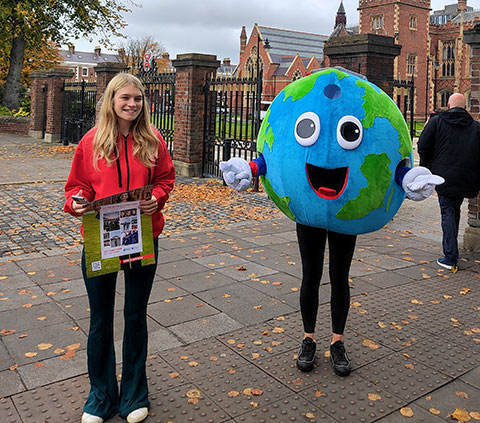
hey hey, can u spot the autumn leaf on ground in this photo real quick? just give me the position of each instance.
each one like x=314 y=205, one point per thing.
x=370 y=344
x=174 y=375
x=434 y=411
x=31 y=354
x=416 y=302
x=278 y=330
x=43 y=347
x=309 y=415
x=406 y=411
x=461 y=394
x=193 y=393
x=374 y=397
x=460 y=415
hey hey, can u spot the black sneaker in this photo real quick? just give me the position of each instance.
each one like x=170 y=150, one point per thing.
x=306 y=355
x=339 y=359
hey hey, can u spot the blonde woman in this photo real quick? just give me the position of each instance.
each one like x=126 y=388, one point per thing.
x=122 y=152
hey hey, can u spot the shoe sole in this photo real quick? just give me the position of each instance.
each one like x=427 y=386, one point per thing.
x=454 y=269
x=341 y=371
x=305 y=366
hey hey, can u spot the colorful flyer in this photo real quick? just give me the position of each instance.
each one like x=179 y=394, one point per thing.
x=116 y=235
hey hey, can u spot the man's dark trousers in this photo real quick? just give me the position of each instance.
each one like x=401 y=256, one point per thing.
x=450 y=210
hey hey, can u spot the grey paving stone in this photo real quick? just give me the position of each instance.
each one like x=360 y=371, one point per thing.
x=5 y=360
x=275 y=285
x=264 y=309
x=386 y=262
x=384 y=279
x=450 y=397
x=57 y=274
x=51 y=370
x=216 y=261
x=220 y=387
x=11 y=383
x=179 y=268
x=419 y=416
x=8 y=413
x=246 y=271
x=179 y=310
x=37 y=316
x=8 y=267
x=16 y=281
x=204 y=358
x=201 y=281
x=59 y=336
x=472 y=377
x=22 y=298
x=66 y=289
x=204 y=327
x=43 y=263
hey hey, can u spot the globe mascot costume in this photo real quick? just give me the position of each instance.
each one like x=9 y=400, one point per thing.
x=335 y=156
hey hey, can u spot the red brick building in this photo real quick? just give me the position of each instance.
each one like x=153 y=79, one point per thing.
x=433 y=50
x=283 y=56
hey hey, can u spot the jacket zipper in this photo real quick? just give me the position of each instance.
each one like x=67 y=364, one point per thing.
x=126 y=161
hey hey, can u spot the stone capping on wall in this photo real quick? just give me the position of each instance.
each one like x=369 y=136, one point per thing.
x=362 y=44
x=196 y=60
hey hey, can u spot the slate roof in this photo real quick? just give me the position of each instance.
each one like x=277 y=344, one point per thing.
x=87 y=58
x=286 y=42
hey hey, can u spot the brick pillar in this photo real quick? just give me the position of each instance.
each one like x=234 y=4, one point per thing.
x=55 y=80
x=369 y=54
x=105 y=72
x=37 y=107
x=192 y=70
x=471 y=237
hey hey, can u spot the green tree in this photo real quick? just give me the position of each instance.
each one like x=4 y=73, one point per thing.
x=32 y=22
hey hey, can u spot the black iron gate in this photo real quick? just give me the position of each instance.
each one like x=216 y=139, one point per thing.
x=407 y=102
x=78 y=110
x=160 y=94
x=232 y=121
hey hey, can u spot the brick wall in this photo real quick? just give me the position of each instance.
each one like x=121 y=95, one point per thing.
x=14 y=125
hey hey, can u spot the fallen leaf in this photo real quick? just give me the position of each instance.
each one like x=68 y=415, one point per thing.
x=415 y=302
x=39 y=364
x=475 y=415
x=382 y=325
x=319 y=394
x=31 y=354
x=254 y=404
x=406 y=411
x=309 y=415
x=43 y=347
x=278 y=330
x=370 y=344
x=434 y=411
x=27 y=305
x=233 y=394
x=255 y=355
x=374 y=397
x=193 y=364
x=193 y=393
x=409 y=366
x=461 y=394
x=59 y=351
x=12 y=368
x=174 y=375
x=460 y=415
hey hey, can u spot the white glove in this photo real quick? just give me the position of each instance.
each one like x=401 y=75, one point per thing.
x=419 y=183
x=236 y=173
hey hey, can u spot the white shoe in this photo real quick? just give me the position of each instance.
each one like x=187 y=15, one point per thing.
x=90 y=418
x=138 y=415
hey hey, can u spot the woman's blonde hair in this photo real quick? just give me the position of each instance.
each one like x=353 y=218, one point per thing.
x=145 y=146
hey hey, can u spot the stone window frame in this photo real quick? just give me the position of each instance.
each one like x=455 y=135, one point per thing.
x=448 y=58
x=413 y=22
x=411 y=64
x=444 y=96
x=377 y=22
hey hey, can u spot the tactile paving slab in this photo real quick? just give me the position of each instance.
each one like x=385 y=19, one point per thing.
x=184 y=404
x=57 y=403
x=352 y=399
x=161 y=376
x=242 y=389
x=258 y=341
x=403 y=377
x=203 y=359
x=8 y=413
x=446 y=357
x=290 y=409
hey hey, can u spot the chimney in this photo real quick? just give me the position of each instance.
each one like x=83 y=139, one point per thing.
x=97 y=50
x=226 y=61
x=243 y=40
x=71 y=48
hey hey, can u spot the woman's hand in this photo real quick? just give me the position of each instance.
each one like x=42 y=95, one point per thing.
x=80 y=208
x=149 y=206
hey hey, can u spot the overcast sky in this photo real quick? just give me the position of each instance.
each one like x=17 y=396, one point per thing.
x=214 y=26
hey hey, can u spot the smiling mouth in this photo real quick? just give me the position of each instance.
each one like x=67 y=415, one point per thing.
x=327 y=183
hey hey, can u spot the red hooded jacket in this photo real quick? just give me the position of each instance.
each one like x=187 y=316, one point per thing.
x=125 y=173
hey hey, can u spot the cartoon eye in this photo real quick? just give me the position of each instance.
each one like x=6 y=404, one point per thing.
x=349 y=132
x=307 y=129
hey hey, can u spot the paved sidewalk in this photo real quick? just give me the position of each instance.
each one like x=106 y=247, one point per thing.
x=224 y=320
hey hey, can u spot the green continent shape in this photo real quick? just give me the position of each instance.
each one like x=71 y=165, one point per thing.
x=378 y=174
x=301 y=87
x=281 y=202
x=379 y=104
x=265 y=135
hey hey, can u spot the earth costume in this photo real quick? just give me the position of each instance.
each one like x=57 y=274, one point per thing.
x=335 y=156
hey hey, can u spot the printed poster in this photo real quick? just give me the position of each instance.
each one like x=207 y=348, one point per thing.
x=117 y=236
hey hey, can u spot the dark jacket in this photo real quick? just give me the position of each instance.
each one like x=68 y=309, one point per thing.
x=450 y=147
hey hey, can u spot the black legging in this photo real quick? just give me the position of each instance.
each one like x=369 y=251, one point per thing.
x=311 y=241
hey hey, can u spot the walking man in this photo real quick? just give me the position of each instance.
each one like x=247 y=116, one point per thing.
x=450 y=147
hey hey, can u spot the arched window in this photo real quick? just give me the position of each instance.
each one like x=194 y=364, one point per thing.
x=445 y=95
x=448 y=57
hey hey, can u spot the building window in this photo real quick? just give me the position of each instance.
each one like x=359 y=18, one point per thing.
x=297 y=75
x=448 y=58
x=84 y=71
x=411 y=64
x=444 y=98
x=377 y=22
x=413 y=22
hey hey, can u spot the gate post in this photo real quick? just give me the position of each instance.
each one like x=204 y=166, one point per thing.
x=55 y=79
x=192 y=70
x=37 y=107
x=471 y=237
x=105 y=73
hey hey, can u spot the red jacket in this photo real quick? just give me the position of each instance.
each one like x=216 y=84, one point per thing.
x=124 y=174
